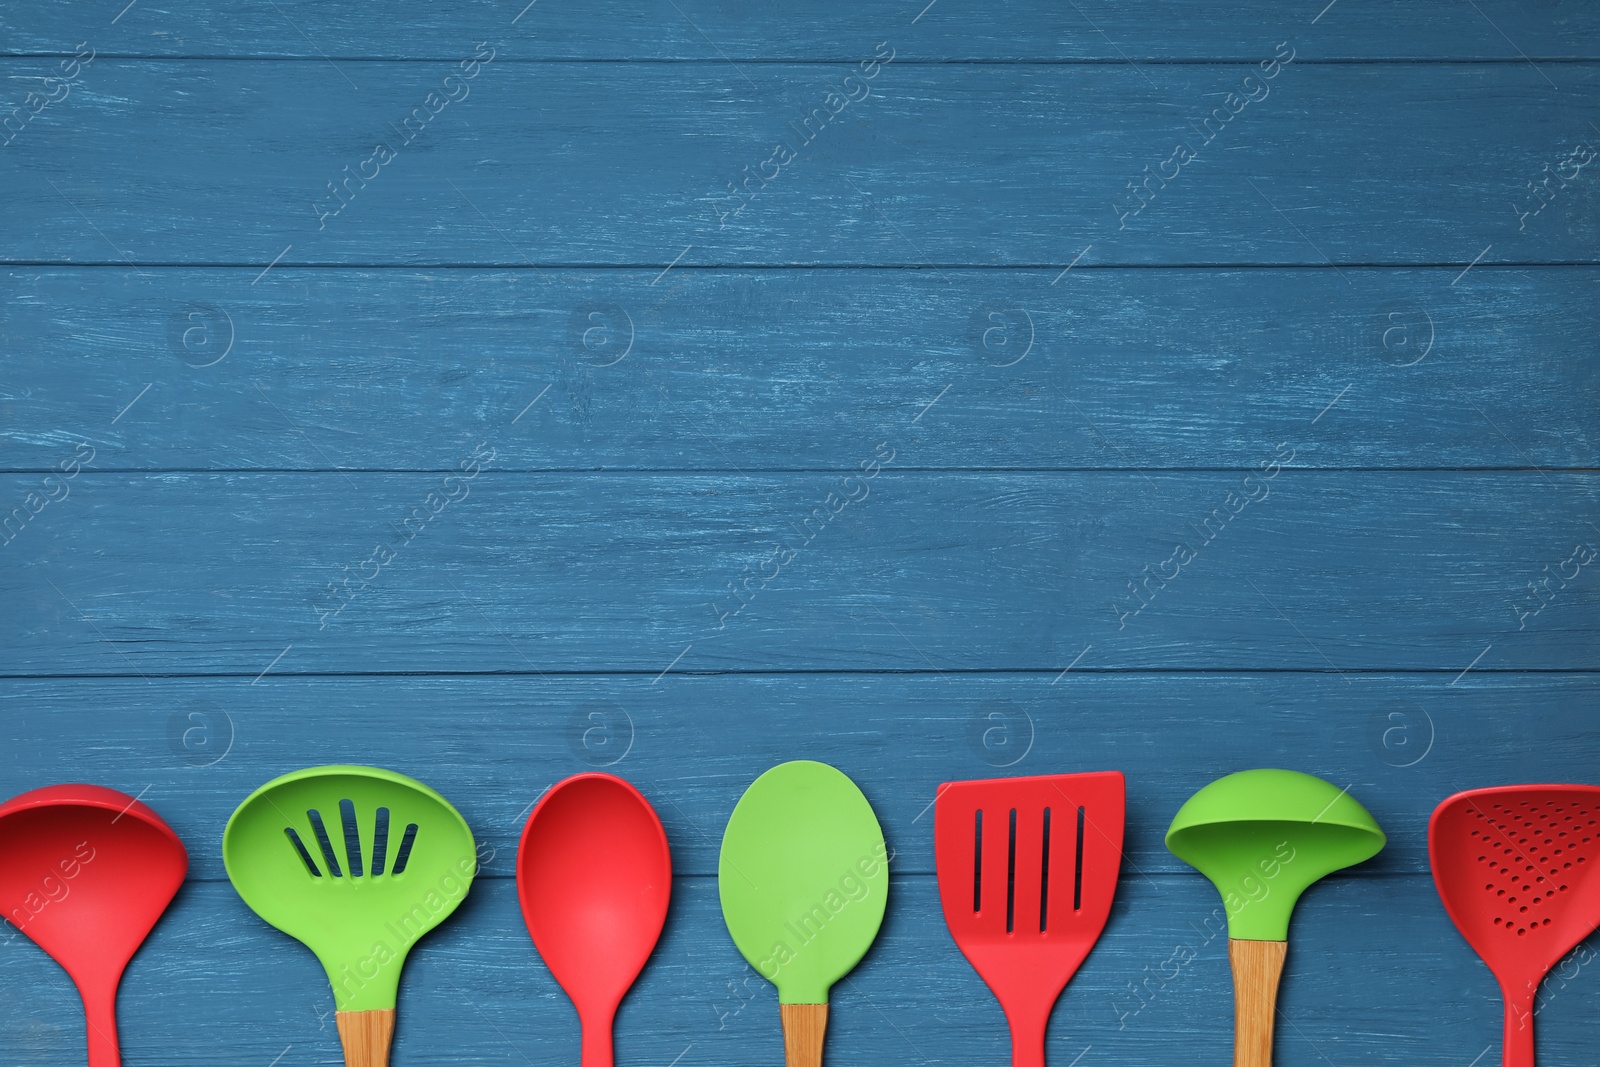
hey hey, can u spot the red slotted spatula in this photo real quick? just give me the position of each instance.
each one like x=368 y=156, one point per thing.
x=1027 y=871
x=1515 y=866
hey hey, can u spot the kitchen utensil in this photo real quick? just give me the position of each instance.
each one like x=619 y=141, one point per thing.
x=1515 y=867
x=1027 y=870
x=357 y=863
x=594 y=876
x=85 y=872
x=804 y=876
x=1263 y=837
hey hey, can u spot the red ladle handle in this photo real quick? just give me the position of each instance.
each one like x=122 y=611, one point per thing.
x=100 y=1010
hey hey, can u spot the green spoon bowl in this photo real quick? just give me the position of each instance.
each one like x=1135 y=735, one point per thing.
x=355 y=862
x=1264 y=836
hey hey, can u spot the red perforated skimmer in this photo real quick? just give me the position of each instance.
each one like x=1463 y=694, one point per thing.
x=1515 y=866
x=1027 y=870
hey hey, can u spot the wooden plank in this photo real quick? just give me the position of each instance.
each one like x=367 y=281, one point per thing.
x=195 y=747
x=902 y=570
x=644 y=164
x=718 y=30
x=1374 y=970
x=721 y=369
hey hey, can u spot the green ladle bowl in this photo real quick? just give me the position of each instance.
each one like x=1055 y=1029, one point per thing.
x=1264 y=836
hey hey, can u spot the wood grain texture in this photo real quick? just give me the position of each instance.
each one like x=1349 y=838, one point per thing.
x=629 y=164
x=1257 y=968
x=716 y=30
x=366 y=1036
x=804 y=1028
x=218 y=573
x=474 y=991
x=799 y=369
x=693 y=743
x=266 y=394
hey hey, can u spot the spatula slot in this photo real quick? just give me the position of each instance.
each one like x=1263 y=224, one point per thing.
x=380 y=840
x=402 y=856
x=1011 y=875
x=305 y=857
x=1077 y=868
x=977 y=860
x=1044 y=877
x=324 y=843
x=352 y=837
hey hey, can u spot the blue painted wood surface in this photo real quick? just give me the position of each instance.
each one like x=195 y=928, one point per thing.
x=883 y=459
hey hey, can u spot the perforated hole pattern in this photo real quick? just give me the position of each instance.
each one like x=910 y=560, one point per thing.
x=1531 y=852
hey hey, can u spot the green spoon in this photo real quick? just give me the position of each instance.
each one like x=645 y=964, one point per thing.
x=804 y=876
x=1263 y=837
x=358 y=863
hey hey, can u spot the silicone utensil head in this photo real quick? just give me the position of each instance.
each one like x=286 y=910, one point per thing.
x=85 y=872
x=1516 y=869
x=1027 y=873
x=594 y=876
x=804 y=876
x=1264 y=836
x=355 y=862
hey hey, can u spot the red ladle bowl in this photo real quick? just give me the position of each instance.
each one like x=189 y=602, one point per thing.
x=594 y=876
x=85 y=872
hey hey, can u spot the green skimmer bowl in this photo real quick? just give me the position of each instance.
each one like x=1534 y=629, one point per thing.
x=357 y=863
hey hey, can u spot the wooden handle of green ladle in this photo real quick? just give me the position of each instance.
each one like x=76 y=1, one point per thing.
x=366 y=1036
x=1257 y=967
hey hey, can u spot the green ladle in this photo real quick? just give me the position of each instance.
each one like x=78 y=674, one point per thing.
x=357 y=863
x=1263 y=837
x=803 y=876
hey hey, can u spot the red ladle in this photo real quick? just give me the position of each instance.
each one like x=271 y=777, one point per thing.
x=594 y=875
x=85 y=872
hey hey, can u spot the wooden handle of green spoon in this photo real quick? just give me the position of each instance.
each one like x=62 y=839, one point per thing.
x=1257 y=967
x=366 y=1036
x=804 y=1026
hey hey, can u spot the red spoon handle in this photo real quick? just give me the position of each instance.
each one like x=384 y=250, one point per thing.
x=597 y=1042
x=101 y=1013
x=1517 y=1050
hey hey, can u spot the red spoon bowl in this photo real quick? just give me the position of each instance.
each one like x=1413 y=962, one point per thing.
x=85 y=872
x=594 y=876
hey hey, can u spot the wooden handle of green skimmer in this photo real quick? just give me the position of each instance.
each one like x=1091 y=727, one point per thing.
x=366 y=1036
x=804 y=1026
x=1257 y=967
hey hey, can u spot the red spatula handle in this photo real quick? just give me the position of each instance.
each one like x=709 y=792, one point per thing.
x=1028 y=1028
x=1257 y=968
x=1517 y=1050
x=101 y=1012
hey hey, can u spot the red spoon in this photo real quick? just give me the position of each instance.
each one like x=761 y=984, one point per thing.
x=594 y=876
x=1516 y=869
x=85 y=872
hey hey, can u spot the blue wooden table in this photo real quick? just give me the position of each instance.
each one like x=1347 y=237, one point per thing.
x=494 y=392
